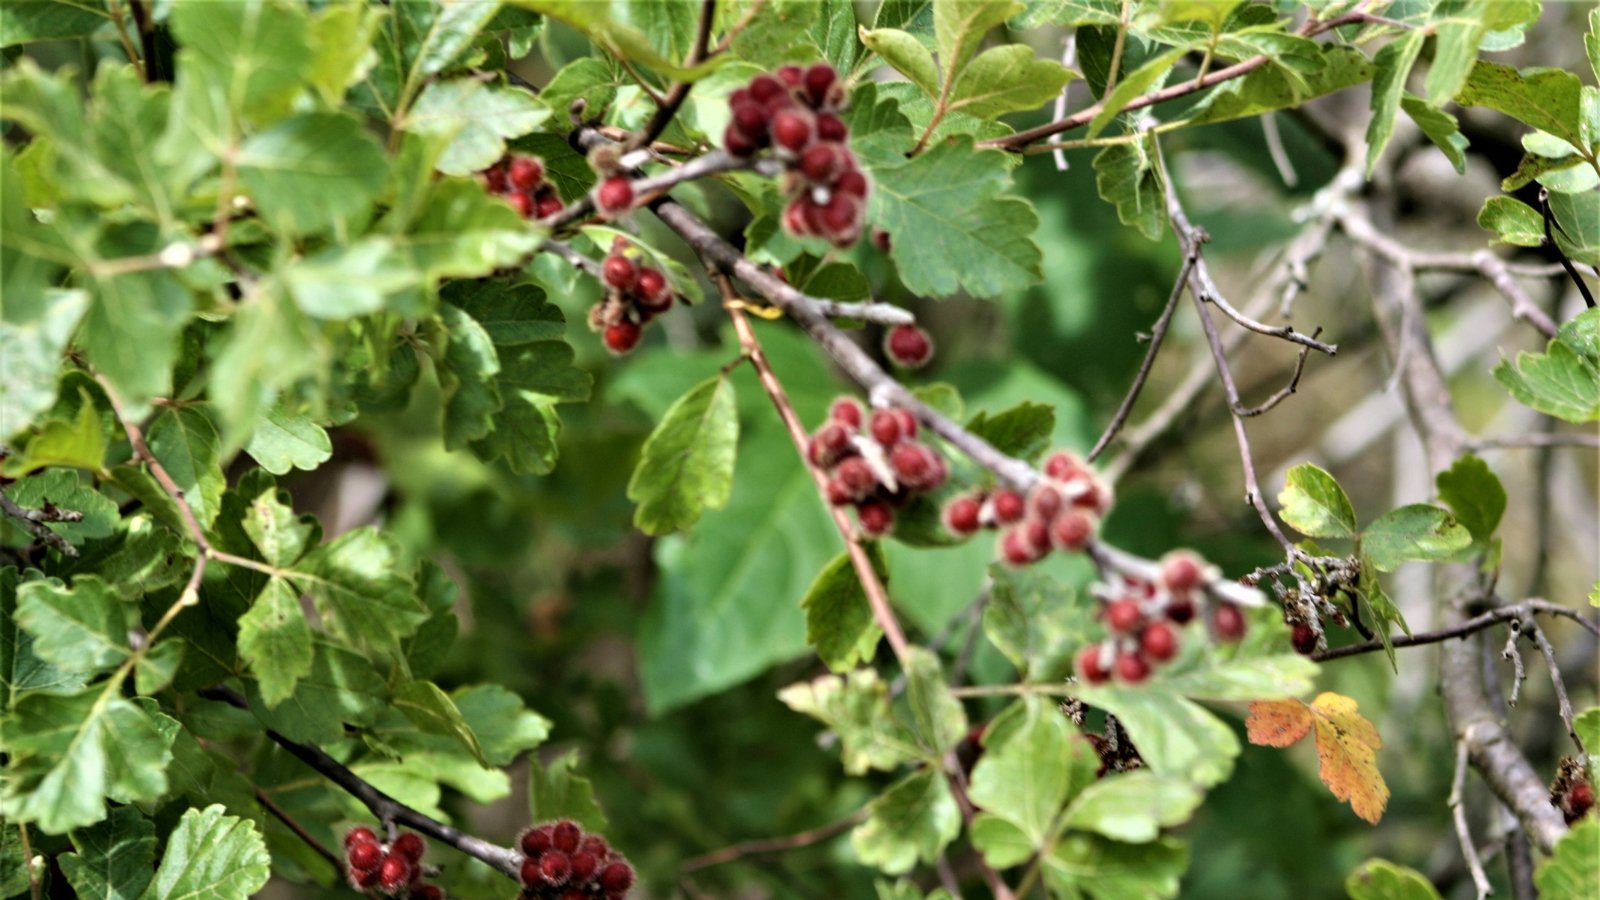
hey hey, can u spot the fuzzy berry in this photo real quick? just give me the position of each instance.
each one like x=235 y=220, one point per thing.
x=622 y=336
x=523 y=204
x=655 y=294
x=791 y=75
x=797 y=216
x=1580 y=799
x=595 y=845
x=365 y=856
x=856 y=477
x=364 y=879
x=1037 y=533
x=547 y=206
x=737 y=142
x=614 y=196
x=876 y=517
x=818 y=79
x=620 y=272
x=791 y=129
x=555 y=867
x=908 y=346
x=853 y=183
x=1015 y=548
x=1089 y=666
x=1062 y=465
x=885 y=427
x=395 y=872
x=961 y=516
x=908 y=423
x=1304 y=638
x=616 y=878
x=526 y=172
x=1181 y=571
x=529 y=873
x=565 y=835
x=1159 y=641
x=1132 y=668
x=820 y=162
x=830 y=444
x=1228 y=620
x=1123 y=616
x=584 y=865
x=535 y=840
x=831 y=128
x=1072 y=530
x=915 y=466
x=1044 y=501
x=497 y=178
x=846 y=412
x=1008 y=507
x=409 y=845
x=764 y=88
x=840 y=219
x=360 y=835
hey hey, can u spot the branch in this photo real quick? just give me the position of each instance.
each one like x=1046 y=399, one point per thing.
x=1553 y=439
x=1282 y=393
x=1512 y=613
x=680 y=91
x=299 y=830
x=386 y=808
x=1550 y=241
x=1458 y=812
x=772 y=845
x=1563 y=702
x=33 y=521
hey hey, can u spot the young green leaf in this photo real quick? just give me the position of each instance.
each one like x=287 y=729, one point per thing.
x=1133 y=806
x=211 y=855
x=1391 y=66
x=1379 y=879
x=959 y=26
x=1546 y=99
x=1027 y=775
x=479 y=119
x=1315 y=505
x=360 y=588
x=275 y=640
x=1125 y=175
x=114 y=859
x=1512 y=221
x=189 y=448
x=1578 y=218
x=1415 y=532
x=913 y=820
x=313 y=172
x=1558 y=382
x=906 y=55
x=1474 y=494
x=855 y=706
x=687 y=464
x=1005 y=80
x=555 y=792
x=432 y=710
x=839 y=621
x=1087 y=864
x=937 y=718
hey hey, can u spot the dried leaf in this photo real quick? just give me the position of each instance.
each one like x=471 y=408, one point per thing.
x=1347 y=746
x=1278 y=723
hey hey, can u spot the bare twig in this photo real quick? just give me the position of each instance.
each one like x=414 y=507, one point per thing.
x=1563 y=702
x=1458 y=812
x=1550 y=241
x=1282 y=393
x=1519 y=673
x=299 y=830
x=33 y=521
x=742 y=849
x=1511 y=613
x=1551 y=439
x=669 y=105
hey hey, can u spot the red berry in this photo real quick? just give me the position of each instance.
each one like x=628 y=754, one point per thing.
x=1063 y=465
x=365 y=856
x=1008 y=507
x=360 y=835
x=856 y=477
x=818 y=79
x=1044 y=501
x=765 y=87
x=846 y=412
x=876 y=517
x=838 y=494
x=1132 y=668
x=530 y=872
x=1072 y=530
x=526 y=172
x=1123 y=616
x=522 y=203
x=1228 y=621
x=1037 y=534
x=791 y=75
x=584 y=865
x=820 y=162
x=555 y=867
x=841 y=218
x=1304 y=638
x=831 y=128
x=885 y=427
x=655 y=294
x=548 y=205
x=364 y=879
x=497 y=178
x=615 y=195
x=622 y=336
x=410 y=845
x=1089 y=666
x=908 y=346
x=853 y=183
x=737 y=142
x=1181 y=571
x=797 y=216
x=395 y=872
x=620 y=272
x=961 y=515
x=917 y=467
x=908 y=423
x=536 y=840
x=565 y=835
x=790 y=129
x=616 y=878
x=1089 y=492
x=596 y=846
x=1181 y=609
x=1580 y=799
x=426 y=892
x=1015 y=548
x=1159 y=641
x=830 y=444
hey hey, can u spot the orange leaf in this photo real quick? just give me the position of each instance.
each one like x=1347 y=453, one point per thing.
x=1278 y=723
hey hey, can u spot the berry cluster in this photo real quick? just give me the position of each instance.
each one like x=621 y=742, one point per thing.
x=1061 y=512
x=876 y=468
x=635 y=294
x=908 y=346
x=795 y=111
x=1571 y=791
x=520 y=179
x=560 y=862
x=389 y=870
x=1144 y=618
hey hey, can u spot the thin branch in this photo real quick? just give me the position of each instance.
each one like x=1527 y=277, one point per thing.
x=33 y=521
x=742 y=849
x=1551 y=439
x=715 y=162
x=1158 y=334
x=1550 y=241
x=1513 y=612
x=1563 y=702
x=1458 y=812
x=1519 y=672
x=1282 y=393
x=680 y=91
x=299 y=830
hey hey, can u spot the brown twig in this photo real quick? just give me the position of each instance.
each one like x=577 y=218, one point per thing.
x=1282 y=393
x=1513 y=612
x=668 y=107
x=772 y=845
x=299 y=830
x=33 y=521
x=1563 y=702
x=1458 y=812
x=1552 y=439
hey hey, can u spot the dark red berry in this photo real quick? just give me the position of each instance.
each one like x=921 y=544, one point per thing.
x=791 y=75
x=395 y=872
x=360 y=835
x=1089 y=492
x=797 y=216
x=838 y=494
x=497 y=179
x=908 y=423
x=961 y=515
x=620 y=272
x=364 y=879
x=365 y=856
x=1304 y=638
x=526 y=172
x=1015 y=548
x=831 y=128
x=1072 y=530
x=915 y=466
x=622 y=336
x=426 y=892
x=655 y=294
x=595 y=845
x=852 y=183
x=1181 y=571
x=547 y=205
x=1090 y=667
x=410 y=845
x=615 y=195
x=530 y=871
x=856 y=477
x=820 y=162
x=737 y=142
x=1159 y=641
x=555 y=866
x=846 y=412
x=1181 y=609
x=1229 y=622
x=1123 y=616
x=1063 y=465
x=830 y=444
x=791 y=129
x=1008 y=507
x=1037 y=534
x=1132 y=668
x=818 y=79
x=1580 y=799
x=908 y=346
x=584 y=865
x=616 y=878
x=536 y=840
x=565 y=835
x=841 y=218
x=885 y=427
x=764 y=88
x=1044 y=501
x=522 y=203
x=876 y=517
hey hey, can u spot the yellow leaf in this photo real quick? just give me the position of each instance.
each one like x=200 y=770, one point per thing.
x=1347 y=745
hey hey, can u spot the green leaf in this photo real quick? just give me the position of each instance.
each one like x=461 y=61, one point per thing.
x=32 y=351
x=79 y=444
x=1441 y=128
x=130 y=333
x=1006 y=80
x=359 y=587
x=1573 y=871
x=1582 y=333
x=1557 y=382
x=460 y=231
x=342 y=689
x=1315 y=505
x=1546 y=99
x=189 y=448
x=1458 y=29
x=1587 y=726
x=1579 y=217
x=1032 y=771
x=937 y=719
x=1023 y=431
x=280 y=535
x=910 y=822
x=1102 y=869
x=1174 y=735
x=467 y=376
x=313 y=172
x=952 y=224
x=906 y=55
x=254 y=52
x=855 y=706
x=592 y=79
x=556 y=793
x=157 y=667
x=351 y=280
x=1415 y=532
x=505 y=728
x=21 y=669
x=285 y=440
x=114 y=859
x=67 y=490
x=79 y=629
x=478 y=118
x=1126 y=176
x=1137 y=83
x=1474 y=494
x=211 y=856
x=959 y=26
x=1133 y=806
x=510 y=314
x=686 y=466
x=1210 y=12
x=1379 y=879
x=1512 y=221
x=432 y=710
x=1035 y=621
x=275 y=639
x=1391 y=66
x=340 y=40
x=839 y=621
x=23 y=23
